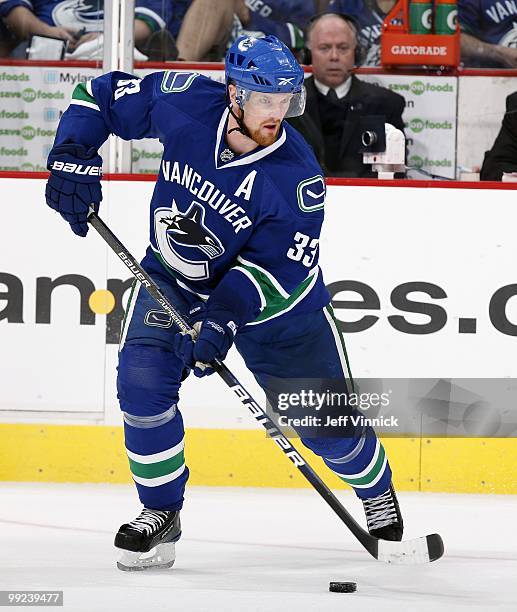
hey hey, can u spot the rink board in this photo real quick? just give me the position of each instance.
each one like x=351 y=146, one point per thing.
x=217 y=457
x=460 y=240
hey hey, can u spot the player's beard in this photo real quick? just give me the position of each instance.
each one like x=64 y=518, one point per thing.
x=263 y=139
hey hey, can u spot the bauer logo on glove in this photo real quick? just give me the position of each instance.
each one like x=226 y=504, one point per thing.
x=77 y=168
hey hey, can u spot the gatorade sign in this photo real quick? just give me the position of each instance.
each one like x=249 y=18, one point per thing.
x=418 y=51
x=415 y=49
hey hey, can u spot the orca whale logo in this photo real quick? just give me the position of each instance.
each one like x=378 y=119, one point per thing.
x=189 y=230
x=86 y=14
x=247 y=43
x=176 y=229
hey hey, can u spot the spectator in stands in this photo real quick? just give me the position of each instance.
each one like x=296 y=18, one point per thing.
x=489 y=33
x=336 y=99
x=206 y=29
x=369 y=15
x=502 y=157
x=82 y=22
x=210 y=25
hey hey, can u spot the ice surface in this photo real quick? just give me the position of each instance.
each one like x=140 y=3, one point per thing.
x=255 y=549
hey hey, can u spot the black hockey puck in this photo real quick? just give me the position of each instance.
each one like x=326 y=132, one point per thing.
x=343 y=587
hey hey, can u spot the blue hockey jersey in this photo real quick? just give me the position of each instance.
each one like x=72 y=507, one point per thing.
x=248 y=223
x=490 y=21
x=88 y=14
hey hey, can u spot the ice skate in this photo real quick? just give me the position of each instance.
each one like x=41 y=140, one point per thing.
x=149 y=540
x=383 y=516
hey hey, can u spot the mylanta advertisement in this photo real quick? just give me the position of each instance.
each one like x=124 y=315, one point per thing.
x=423 y=283
x=32 y=99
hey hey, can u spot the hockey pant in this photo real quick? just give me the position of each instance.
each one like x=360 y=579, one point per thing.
x=303 y=346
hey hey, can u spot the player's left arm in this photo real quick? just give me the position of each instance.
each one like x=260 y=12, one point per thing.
x=116 y=103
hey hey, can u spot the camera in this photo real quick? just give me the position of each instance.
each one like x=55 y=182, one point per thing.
x=383 y=146
x=373 y=134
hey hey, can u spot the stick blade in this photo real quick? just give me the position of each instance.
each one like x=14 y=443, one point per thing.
x=411 y=552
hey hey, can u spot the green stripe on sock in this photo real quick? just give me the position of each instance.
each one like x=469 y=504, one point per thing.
x=372 y=474
x=160 y=468
x=124 y=321
x=330 y=310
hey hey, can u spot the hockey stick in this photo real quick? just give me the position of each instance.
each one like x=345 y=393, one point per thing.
x=410 y=552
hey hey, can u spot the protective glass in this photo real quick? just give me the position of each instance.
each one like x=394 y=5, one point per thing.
x=278 y=105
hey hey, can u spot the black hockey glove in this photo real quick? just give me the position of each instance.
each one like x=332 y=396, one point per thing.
x=216 y=333
x=74 y=183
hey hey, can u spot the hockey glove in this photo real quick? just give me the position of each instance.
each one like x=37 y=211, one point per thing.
x=74 y=183
x=216 y=331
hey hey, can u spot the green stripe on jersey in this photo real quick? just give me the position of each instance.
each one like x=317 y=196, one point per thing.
x=276 y=303
x=81 y=96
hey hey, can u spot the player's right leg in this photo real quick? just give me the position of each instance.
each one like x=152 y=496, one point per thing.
x=307 y=351
x=148 y=382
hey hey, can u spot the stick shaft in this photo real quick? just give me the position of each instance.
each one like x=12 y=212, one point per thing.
x=368 y=541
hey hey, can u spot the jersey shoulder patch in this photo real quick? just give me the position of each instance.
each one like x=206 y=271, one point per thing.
x=310 y=194
x=177 y=81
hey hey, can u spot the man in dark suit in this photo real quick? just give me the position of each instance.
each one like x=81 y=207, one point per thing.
x=502 y=157
x=337 y=99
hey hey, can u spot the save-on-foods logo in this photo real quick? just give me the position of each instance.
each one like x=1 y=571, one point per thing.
x=418 y=125
x=5 y=114
x=419 y=162
x=20 y=152
x=10 y=76
x=27 y=132
x=29 y=95
x=417 y=88
x=87 y=302
x=138 y=154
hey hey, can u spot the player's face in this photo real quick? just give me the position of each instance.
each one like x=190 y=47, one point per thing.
x=263 y=115
x=333 y=44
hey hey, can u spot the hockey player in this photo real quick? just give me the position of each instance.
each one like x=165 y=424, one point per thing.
x=235 y=221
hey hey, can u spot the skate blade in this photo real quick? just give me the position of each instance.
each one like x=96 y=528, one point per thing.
x=159 y=557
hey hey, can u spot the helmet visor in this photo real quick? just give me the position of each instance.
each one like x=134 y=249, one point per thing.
x=271 y=105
